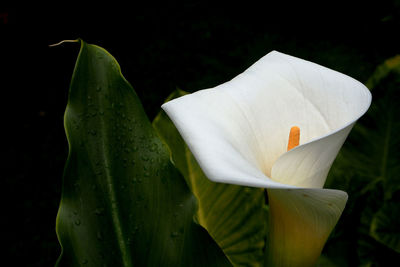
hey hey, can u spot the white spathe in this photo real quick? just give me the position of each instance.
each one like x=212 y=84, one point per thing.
x=238 y=132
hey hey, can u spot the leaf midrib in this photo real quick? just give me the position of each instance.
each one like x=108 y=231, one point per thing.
x=115 y=214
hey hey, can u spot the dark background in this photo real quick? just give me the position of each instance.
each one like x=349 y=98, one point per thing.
x=191 y=45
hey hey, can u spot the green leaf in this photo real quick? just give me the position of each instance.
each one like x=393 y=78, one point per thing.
x=234 y=215
x=123 y=202
x=386 y=224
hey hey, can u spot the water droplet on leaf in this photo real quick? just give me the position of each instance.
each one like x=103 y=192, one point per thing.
x=99 y=211
x=174 y=234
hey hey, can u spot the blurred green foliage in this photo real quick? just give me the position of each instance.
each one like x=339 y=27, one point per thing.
x=368 y=168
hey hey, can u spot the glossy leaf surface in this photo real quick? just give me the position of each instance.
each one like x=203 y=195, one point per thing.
x=123 y=202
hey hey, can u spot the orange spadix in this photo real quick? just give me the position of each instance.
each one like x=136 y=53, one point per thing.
x=294 y=137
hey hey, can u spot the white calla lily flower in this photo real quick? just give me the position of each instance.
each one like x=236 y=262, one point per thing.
x=238 y=132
